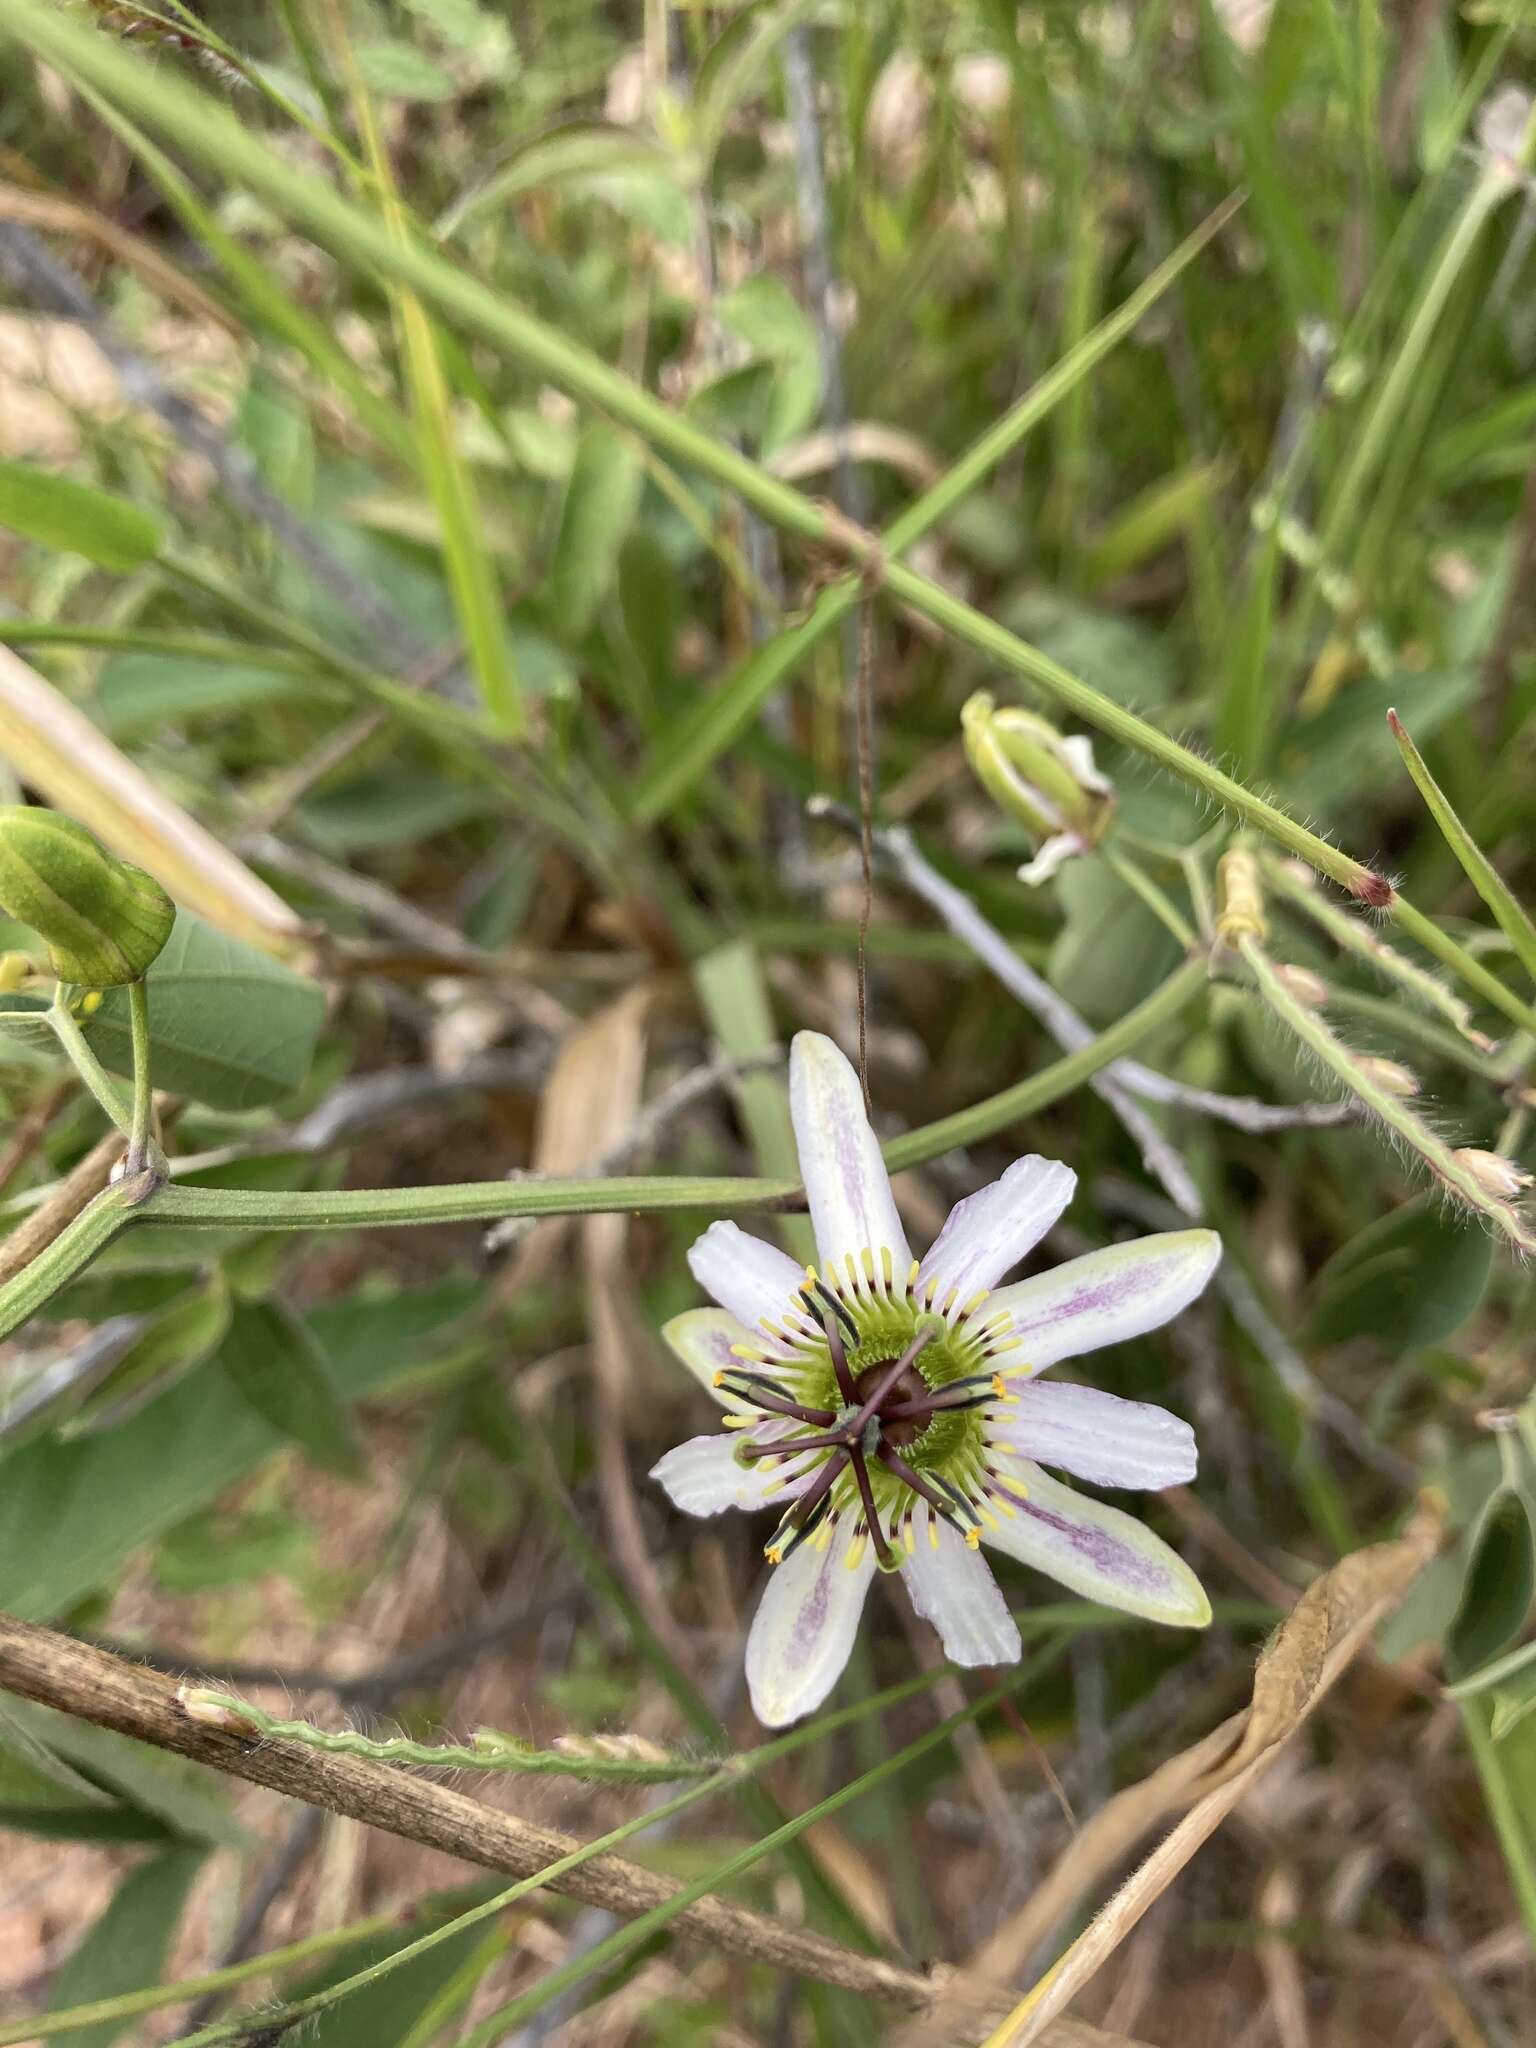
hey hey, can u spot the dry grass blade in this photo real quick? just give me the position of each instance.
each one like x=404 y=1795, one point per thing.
x=1328 y=1626
x=59 y=752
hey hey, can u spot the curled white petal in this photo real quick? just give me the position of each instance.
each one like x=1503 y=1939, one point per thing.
x=952 y=1586
x=1099 y=1552
x=991 y=1232
x=754 y=1280
x=1106 y=1297
x=1058 y=849
x=803 y=1631
x=846 y=1184
x=708 y=1341
x=1096 y=1436
x=704 y=1476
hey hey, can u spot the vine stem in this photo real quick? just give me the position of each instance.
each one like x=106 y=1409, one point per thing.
x=143 y=1090
x=85 y=1063
x=1391 y=1110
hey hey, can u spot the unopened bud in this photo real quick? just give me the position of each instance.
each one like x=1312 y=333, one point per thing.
x=1304 y=985
x=1495 y=1175
x=1390 y=1075
x=1242 y=897
x=1043 y=778
x=102 y=921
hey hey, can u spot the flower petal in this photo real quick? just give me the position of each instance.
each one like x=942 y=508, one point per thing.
x=803 y=1631
x=705 y=1339
x=988 y=1233
x=1099 y=1552
x=846 y=1184
x=1120 y=1292
x=1096 y=1436
x=704 y=1477
x=953 y=1587
x=1054 y=853
x=754 y=1280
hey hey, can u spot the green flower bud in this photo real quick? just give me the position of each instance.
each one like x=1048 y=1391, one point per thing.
x=102 y=921
x=1040 y=777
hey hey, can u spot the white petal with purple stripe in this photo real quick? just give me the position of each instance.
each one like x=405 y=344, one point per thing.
x=953 y=1587
x=704 y=1476
x=847 y=1188
x=990 y=1233
x=755 y=1281
x=1106 y=1297
x=1099 y=1552
x=1095 y=1436
x=803 y=1631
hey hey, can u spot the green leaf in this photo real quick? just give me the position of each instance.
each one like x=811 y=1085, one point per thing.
x=1501 y=1579
x=175 y=1343
x=1514 y=1699
x=1113 y=951
x=140 y=693
x=127 y=1947
x=181 y=1800
x=229 y=1026
x=399 y=71
x=601 y=500
x=70 y=1513
x=24 y=1022
x=767 y=316
x=60 y=513
x=1480 y=870
x=273 y=1359
x=1409 y=1280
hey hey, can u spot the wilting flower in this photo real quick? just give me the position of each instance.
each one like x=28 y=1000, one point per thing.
x=889 y=1406
x=1043 y=778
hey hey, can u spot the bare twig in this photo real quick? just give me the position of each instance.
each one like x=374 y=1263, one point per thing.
x=39 y=1664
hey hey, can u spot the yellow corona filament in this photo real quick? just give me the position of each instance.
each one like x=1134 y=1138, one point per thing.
x=855 y=1555
x=912 y=1276
x=975 y=1302
x=888 y=1267
x=949 y=1303
x=1015 y=1486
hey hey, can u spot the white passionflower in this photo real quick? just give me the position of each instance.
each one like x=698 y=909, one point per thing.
x=889 y=1406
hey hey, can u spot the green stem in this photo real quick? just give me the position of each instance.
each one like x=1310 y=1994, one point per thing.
x=1471 y=970
x=70 y=1253
x=1156 y=898
x=130 y=2004
x=85 y=1063
x=486 y=1201
x=143 y=1087
x=1391 y=1110
x=1505 y=1811
x=1027 y=1098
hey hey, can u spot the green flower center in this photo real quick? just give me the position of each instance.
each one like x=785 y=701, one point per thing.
x=870 y=1401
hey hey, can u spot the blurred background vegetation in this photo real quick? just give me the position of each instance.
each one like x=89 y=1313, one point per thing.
x=508 y=718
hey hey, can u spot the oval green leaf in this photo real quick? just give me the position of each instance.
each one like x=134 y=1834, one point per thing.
x=228 y=1026
x=57 y=512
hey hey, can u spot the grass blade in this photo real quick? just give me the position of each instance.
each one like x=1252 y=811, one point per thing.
x=1480 y=870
